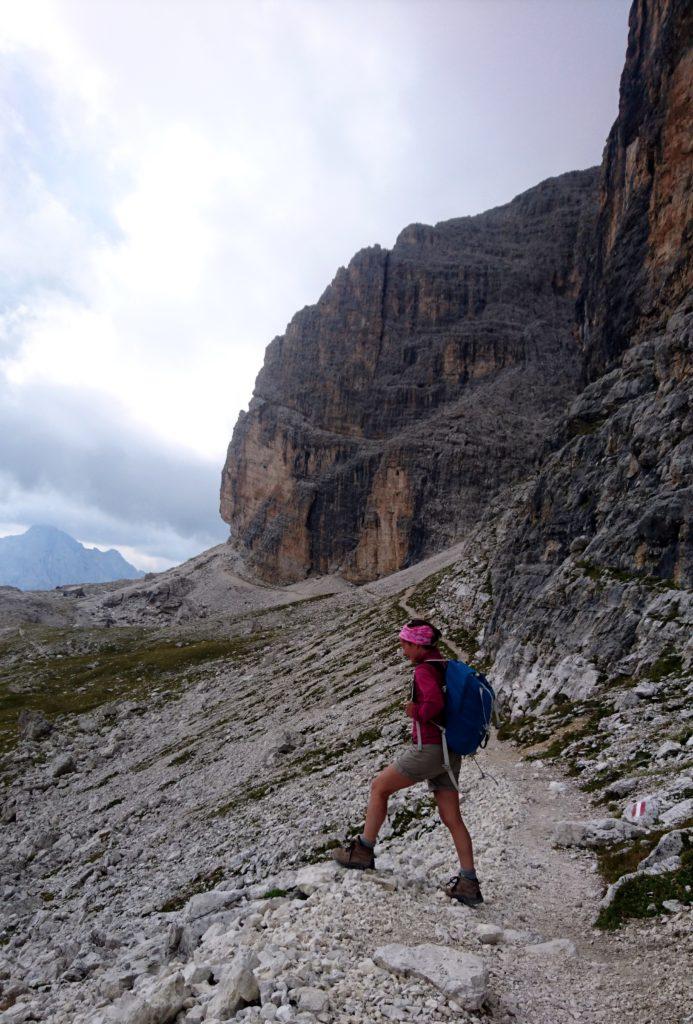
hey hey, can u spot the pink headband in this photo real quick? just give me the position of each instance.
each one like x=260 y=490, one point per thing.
x=422 y=635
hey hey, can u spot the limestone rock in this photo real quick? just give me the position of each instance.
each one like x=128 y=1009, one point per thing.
x=62 y=765
x=595 y=833
x=157 y=1002
x=337 y=463
x=459 y=976
x=33 y=725
x=237 y=987
x=489 y=934
x=555 y=947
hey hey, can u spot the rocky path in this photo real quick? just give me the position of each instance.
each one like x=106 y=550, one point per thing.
x=178 y=871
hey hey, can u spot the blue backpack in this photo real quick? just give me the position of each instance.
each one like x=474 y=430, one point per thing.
x=469 y=699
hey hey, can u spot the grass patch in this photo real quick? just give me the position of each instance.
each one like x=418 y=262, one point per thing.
x=407 y=816
x=272 y=893
x=610 y=574
x=183 y=758
x=118 y=664
x=643 y=896
x=669 y=663
x=423 y=595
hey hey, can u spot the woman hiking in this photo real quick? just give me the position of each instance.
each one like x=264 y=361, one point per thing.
x=422 y=761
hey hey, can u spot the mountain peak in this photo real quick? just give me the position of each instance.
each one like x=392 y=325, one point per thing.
x=45 y=557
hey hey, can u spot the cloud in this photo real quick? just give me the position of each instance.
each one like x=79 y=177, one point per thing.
x=178 y=183
x=70 y=458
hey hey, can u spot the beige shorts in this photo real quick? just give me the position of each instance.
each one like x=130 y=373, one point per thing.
x=426 y=765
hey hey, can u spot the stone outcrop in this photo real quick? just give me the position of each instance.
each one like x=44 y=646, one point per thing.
x=425 y=381
x=605 y=538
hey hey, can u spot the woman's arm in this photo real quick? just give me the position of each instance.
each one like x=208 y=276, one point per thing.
x=430 y=701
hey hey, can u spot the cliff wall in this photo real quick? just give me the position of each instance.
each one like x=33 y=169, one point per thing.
x=593 y=573
x=425 y=381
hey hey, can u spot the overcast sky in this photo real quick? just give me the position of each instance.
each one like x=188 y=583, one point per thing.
x=180 y=176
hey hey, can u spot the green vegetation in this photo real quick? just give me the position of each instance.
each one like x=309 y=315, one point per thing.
x=423 y=595
x=644 y=895
x=201 y=883
x=407 y=815
x=669 y=663
x=271 y=893
x=610 y=574
x=187 y=755
x=43 y=672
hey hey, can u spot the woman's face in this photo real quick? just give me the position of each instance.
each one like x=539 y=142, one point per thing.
x=414 y=652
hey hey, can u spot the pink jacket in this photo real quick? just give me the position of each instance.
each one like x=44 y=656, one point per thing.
x=427 y=694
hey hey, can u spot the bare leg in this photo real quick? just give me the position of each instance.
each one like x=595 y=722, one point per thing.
x=448 y=801
x=387 y=782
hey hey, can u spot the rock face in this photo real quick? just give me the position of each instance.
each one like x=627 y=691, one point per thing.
x=425 y=381
x=604 y=539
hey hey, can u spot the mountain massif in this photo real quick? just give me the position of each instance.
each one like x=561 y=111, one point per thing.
x=45 y=557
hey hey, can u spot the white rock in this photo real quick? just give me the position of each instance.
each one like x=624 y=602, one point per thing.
x=673 y=906
x=156 y=1002
x=668 y=847
x=667 y=749
x=310 y=878
x=460 y=976
x=62 y=765
x=679 y=813
x=592 y=833
x=643 y=811
x=237 y=987
x=555 y=947
x=489 y=934
x=315 y=1000
x=557 y=787
x=194 y=974
x=210 y=903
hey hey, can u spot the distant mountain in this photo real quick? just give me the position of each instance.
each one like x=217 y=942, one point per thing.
x=45 y=557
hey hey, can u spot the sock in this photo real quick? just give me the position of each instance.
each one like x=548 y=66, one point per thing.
x=366 y=843
x=470 y=875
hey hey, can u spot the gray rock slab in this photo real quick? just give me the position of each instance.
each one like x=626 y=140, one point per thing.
x=210 y=903
x=555 y=947
x=459 y=976
x=598 y=832
x=679 y=813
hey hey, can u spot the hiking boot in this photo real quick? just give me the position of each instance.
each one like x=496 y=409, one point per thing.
x=354 y=855
x=464 y=891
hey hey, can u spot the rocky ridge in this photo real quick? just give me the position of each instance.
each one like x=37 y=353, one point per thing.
x=375 y=435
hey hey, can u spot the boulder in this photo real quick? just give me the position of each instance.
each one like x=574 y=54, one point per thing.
x=679 y=813
x=459 y=976
x=643 y=811
x=33 y=725
x=157 y=1002
x=489 y=934
x=210 y=903
x=314 y=1000
x=668 y=749
x=598 y=832
x=237 y=987
x=668 y=847
x=310 y=878
x=62 y=765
